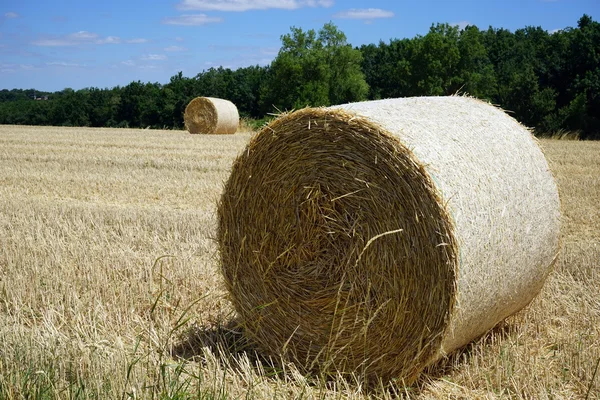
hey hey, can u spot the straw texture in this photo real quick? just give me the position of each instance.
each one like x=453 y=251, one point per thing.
x=375 y=237
x=211 y=115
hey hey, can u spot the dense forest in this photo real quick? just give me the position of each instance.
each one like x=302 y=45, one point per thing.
x=549 y=80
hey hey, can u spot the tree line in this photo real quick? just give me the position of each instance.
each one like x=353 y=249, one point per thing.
x=549 y=81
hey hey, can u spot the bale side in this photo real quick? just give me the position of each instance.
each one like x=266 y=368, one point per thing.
x=211 y=115
x=500 y=193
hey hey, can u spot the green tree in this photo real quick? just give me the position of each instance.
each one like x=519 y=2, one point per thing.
x=585 y=58
x=435 y=61
x=69 y=108
x=138 y=105
x=475 y=70
x=245 y=90
x=346 y=81
x=388 y=68
x=316 y=70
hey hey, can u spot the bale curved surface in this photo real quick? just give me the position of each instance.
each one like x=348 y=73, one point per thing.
x=375 y=237
x=211 y=115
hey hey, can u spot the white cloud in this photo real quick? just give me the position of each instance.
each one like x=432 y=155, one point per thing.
x=11 y=14
x=179 y=39
x=81 y=38
x=8 y=67
x=137 y=40
x=364 y=14
x=71 y=39
x=15 y=67
x=175 y=48
x=109 y=40
x=53 y=42
x=129 y=63
x=83 y=35
x=326 y=3
x=461 y=24
x=245 y=5
x=64 y=64
x=154 y=57
x=191 y=20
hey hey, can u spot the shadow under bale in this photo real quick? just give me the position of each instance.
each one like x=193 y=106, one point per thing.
x=225 y=340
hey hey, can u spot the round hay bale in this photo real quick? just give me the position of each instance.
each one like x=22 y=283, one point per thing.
x=211 y=115
x=376 y=237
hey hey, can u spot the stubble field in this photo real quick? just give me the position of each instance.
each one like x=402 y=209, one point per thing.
x=110 y=287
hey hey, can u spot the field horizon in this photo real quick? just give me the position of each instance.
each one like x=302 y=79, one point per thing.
x=110 y=283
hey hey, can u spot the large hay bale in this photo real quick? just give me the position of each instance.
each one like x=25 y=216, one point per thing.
x=211 y=115
x=376 y=237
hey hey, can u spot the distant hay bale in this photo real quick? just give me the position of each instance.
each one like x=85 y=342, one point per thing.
x=376 y=237
x=211 y=115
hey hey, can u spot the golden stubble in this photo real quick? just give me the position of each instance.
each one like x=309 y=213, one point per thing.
x=109 y=265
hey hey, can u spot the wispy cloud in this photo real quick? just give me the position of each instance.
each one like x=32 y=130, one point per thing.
x=72 y=39
x=11 y=15
x=245 y=5
x=83 y=35
x=175 y=48
x=367 y=14
x=109 y=40
x=8 y=68
x=326 y=3
x=16 y=67
x=81 y=38
x=53 y=42
x=129 y=63
x=137 y=41
x=154 y=57
x=191 y=20
x=65 y=64
x=461 y=24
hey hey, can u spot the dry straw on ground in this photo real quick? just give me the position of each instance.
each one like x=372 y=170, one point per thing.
x=374 y=238
x=211 y=115
x=86 y=310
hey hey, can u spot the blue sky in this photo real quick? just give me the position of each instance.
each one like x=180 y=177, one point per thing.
x=51 y=45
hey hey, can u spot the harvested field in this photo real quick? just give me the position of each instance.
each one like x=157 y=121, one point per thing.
x=109 y=283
